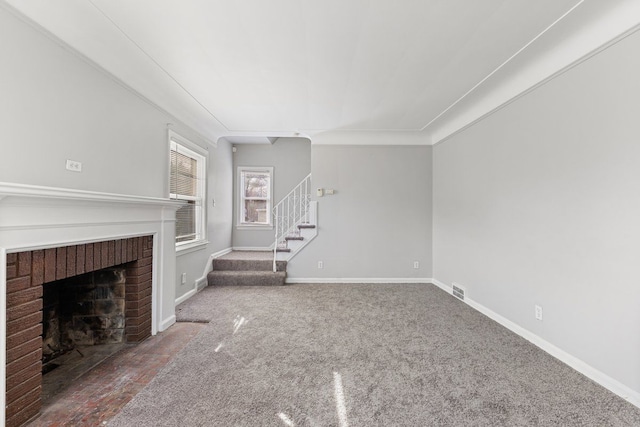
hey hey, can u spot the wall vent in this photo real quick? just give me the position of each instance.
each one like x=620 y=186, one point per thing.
x=458 y=291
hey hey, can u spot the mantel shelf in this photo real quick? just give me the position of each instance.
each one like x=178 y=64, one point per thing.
x=12 y=190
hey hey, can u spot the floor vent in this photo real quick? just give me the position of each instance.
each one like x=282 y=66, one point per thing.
x=458 y=291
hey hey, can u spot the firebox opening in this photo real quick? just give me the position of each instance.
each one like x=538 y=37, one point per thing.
x=83 y=310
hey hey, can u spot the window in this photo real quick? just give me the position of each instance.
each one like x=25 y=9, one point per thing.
x=255 y=189
x=187 y=182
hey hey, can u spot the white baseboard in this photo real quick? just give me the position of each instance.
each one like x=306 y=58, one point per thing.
x=201 y=283
x=209 y=267
x=447 y=289
x=164 y=325
x=585 y=369
x=186 y=296
x=220 y=253
x=357 y=280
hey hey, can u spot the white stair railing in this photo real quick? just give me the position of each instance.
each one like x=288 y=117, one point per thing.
x=291 y=211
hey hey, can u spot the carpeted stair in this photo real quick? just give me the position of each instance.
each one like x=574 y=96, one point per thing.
x=246 y=268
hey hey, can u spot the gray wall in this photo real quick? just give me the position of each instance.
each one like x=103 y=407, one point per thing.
x=220 y=190
x=378 y=222
x=55 y=106
x=291 y=162
x=540 y=204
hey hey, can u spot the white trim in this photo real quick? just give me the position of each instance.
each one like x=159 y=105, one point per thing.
x=167 y=323
x=84 y=224
x=257 y=227
x=200 y=283
x=84 y=58
x=585 y=369
x=358 y=280
x=184 y=146
x=186 y=296
x=562 y=57
x=240 y=199
x=220 y=253
x=186 y=143
x=351 y=137
x=8 y=189
x=62 y=243
x=447 y=289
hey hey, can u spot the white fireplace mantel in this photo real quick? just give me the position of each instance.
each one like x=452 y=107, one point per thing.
x=36 y=217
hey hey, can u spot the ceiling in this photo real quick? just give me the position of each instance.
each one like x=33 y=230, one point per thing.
x=253 y=69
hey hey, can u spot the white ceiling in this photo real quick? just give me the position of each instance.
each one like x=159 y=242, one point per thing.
x=256 y=68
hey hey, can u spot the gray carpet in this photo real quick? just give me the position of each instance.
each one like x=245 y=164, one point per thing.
x=362 y=355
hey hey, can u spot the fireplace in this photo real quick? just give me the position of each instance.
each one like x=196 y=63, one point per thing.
x=61 y=298
x=49 y=234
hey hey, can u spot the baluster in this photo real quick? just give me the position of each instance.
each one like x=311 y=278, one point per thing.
x=275 y=245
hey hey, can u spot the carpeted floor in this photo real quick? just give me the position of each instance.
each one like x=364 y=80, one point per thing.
x=361 y=355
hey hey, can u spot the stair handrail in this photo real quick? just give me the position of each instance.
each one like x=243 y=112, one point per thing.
x=297 y=200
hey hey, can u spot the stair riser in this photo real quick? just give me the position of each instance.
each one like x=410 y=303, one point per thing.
x=308 y=234
x=223 y=278
x=247 y=265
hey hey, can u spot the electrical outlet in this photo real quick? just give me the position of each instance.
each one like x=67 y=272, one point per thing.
x=416 y=264
x=320 y=264
x=184 y=278
x=538 y=312
x=74 y=166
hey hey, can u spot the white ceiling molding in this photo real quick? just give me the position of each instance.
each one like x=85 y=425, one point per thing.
x=356 y=72
x=371 y=138
x=592 y=27
x=94 y=39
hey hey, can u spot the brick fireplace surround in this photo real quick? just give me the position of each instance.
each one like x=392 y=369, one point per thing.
x=28 y=271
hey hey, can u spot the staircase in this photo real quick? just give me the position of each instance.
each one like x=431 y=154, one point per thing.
x=247 y=268
x=294 y=219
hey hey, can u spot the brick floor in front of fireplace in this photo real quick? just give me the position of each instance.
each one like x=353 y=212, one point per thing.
x=101 y=393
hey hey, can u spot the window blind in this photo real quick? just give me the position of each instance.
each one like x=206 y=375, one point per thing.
x=184 y=185
x=184 y=175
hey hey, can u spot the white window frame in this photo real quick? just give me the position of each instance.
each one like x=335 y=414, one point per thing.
x=240 y=224
x=184 y=146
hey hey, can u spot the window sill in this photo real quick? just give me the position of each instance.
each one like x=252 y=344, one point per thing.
x=254 y=227
x=187 y=248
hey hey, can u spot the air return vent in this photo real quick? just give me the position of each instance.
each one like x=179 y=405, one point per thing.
x=458 y=291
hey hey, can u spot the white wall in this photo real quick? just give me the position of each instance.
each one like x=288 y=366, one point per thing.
x=291 y=162
x=379 y=220
x=54 y=106
x=540 y=204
